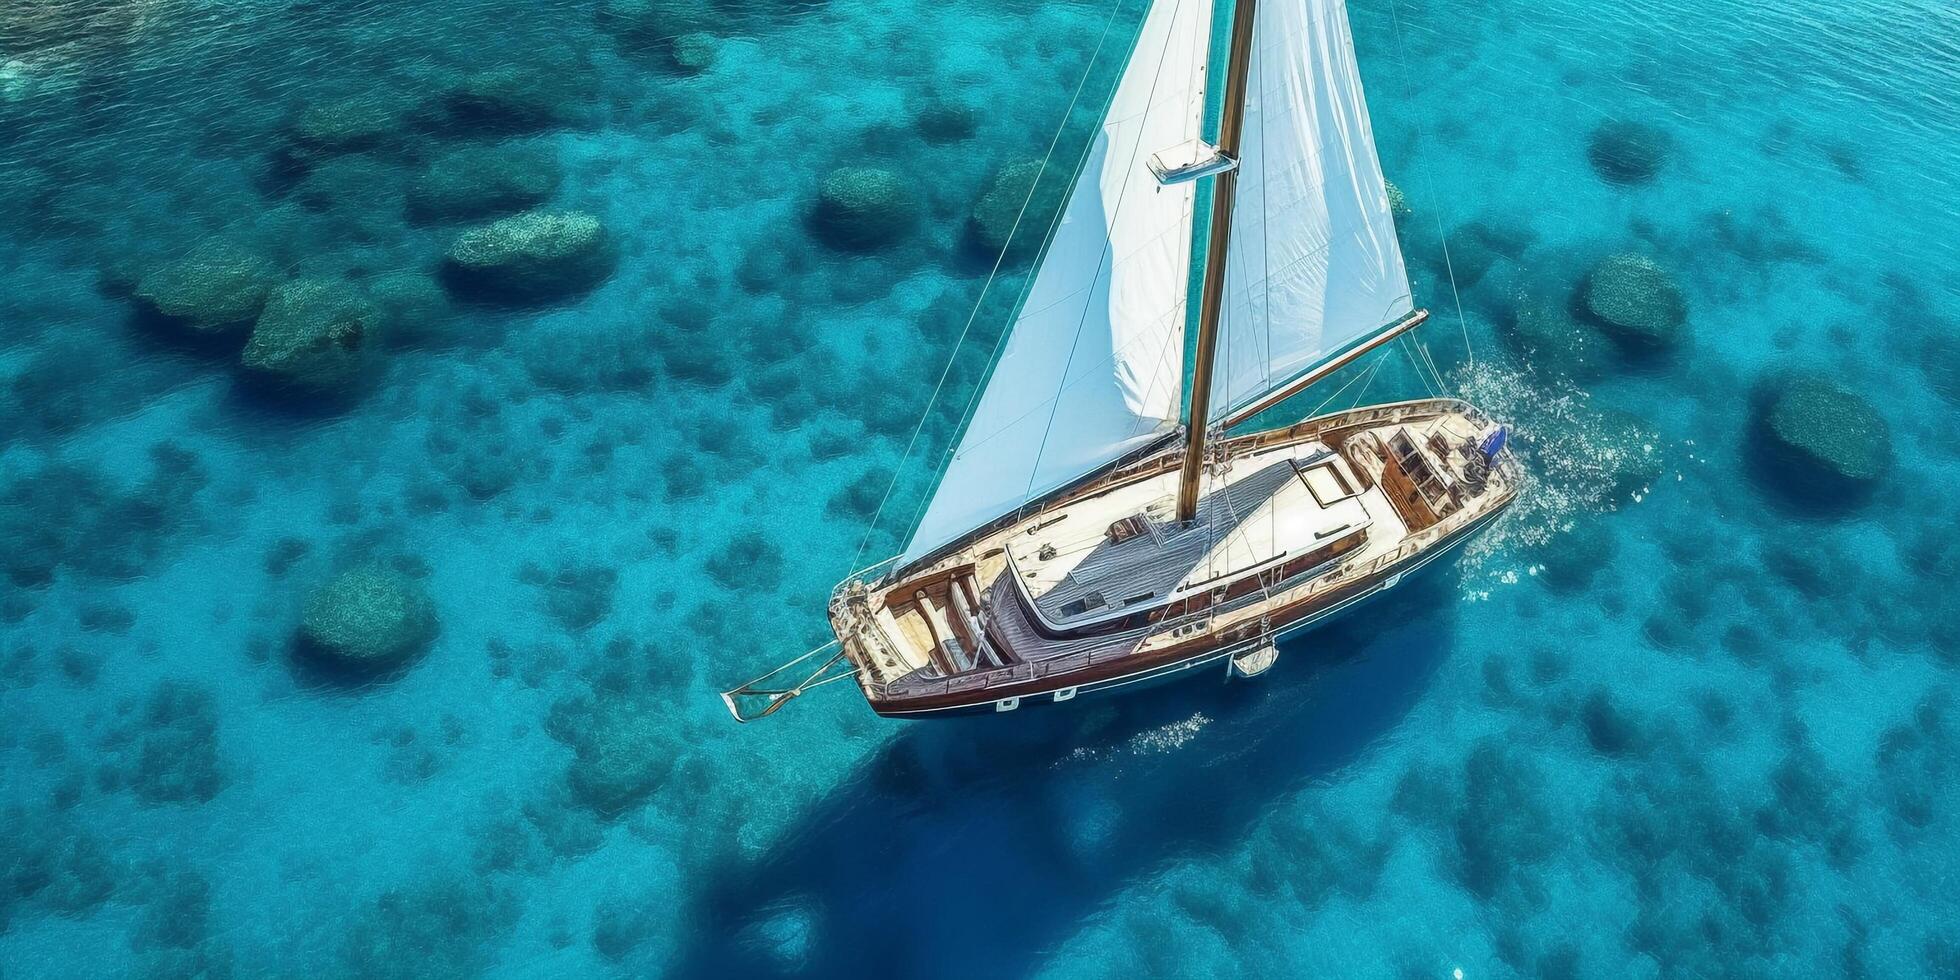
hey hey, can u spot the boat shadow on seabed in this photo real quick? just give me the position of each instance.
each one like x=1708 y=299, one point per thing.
x=967 y=847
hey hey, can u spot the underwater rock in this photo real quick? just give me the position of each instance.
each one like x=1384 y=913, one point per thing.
x=645 y=21
x=1544 y=330
x=1628 y=153
x=370 y=618
x=1821 y=443
x=1000 y=208
x=1501 y=826
x=1636 y=302
x=485 y=181
x=411 y=308
x=217 y=289
x=537 y=256
x=348 y=125
x=577 y=596
x=863 y=209
x=785 y=937
x=48 y=863
x=623 y=751
x=750 y=561
x=694 y=52
x=314 y=334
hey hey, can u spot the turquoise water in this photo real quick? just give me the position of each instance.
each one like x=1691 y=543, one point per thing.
x=1674 y=717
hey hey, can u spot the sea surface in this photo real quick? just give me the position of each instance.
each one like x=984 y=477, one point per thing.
x=1689 y=711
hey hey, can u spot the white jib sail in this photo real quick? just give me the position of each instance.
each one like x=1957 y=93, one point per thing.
x=1093 y=367
x=1313 y=264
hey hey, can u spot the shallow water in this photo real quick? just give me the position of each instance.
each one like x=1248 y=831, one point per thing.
x=1667 y=719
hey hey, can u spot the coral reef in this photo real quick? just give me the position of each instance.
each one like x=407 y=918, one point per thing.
x=315 y=334
x=863 y=209
x=218 y=288
x=1007 y=210
x=1636 y=302
x=537 y=256
x=368 y=618
x=485 y=181
x=1817 y=441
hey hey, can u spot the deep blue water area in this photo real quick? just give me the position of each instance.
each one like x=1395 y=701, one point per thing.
x=370 y=559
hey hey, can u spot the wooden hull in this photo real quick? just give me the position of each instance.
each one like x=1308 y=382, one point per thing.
x=984 y=627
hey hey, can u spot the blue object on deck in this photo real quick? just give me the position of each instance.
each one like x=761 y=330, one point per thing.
x=1494 y=442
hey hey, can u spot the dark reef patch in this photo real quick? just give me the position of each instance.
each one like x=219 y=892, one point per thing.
x=578 y=596
x=164 y=747
x=1815 y=444
x=68 y=516
x=1628 y=153
x=445 y=925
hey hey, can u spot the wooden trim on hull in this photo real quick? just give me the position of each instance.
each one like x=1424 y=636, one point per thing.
x=1177 y=661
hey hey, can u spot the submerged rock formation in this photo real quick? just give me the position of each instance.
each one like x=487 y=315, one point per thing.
x=1543 y=329
x=1823 y=443
x=217 y=289
x=1628 y=153
x=313 y=334
x=1636 y=303
x=485 y=181
x=536 y=256
x=625 y=747
x=863 y=209
x=694 y=52
x=994 y=216
x=369 y=618
x=346 y=125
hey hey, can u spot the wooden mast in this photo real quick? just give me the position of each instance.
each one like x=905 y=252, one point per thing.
x=1231 y=124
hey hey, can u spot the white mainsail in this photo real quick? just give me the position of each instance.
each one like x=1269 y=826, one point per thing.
x=1093 y=367
x=1313 y=264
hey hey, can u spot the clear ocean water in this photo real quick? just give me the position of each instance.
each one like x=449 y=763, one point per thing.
x=1684 y=714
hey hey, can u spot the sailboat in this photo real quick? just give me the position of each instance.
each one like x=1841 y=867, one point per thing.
x=1102 y=523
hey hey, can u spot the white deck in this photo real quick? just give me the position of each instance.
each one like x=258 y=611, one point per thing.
x=1260 y=513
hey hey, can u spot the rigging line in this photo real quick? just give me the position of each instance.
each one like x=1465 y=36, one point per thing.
x=952 y=355
x=1008 y=333
x=1149 y=104
x=1441 y=386
x=1429 y=186
x=1416 y=362
x=1337 y=392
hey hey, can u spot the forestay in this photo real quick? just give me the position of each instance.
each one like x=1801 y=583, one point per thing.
x=1093 y=366
x=1313 y=264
